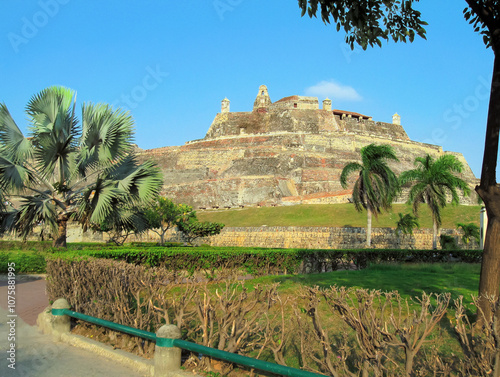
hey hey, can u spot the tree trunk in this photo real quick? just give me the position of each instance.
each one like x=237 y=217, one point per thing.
x=62 y=223
x=368 y=227
x=434 y=234
x=488 y=190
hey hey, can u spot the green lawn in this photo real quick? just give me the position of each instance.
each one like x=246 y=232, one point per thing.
x=409 y=280
x=334 y=215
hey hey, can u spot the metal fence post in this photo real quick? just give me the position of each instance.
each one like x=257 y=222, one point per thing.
x=61 y=324
x=167 y=357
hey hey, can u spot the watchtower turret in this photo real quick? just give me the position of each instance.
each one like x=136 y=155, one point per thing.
x=224 y=108
x=396 y=119
x=262 y=100
x=327 y=104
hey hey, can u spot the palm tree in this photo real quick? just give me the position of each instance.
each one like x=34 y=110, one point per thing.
x=432 y=181
x=406 y=224
x=66 y=171
x=376 y=186
x=470 y=232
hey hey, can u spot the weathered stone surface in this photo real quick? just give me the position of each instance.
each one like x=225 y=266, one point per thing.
x=288 y=149
x=315 y=238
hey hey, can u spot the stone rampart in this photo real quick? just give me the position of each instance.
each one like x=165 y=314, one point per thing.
x=250 y=169
x=246 y=157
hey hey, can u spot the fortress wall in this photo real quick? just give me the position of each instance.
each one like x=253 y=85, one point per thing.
x=227 y=124
x=311 y=163
x=323 y=238
x=364 y=126
x=208 y=158
x=231 y=192
x=299 y=237
x=295 y=102
x=287 y=237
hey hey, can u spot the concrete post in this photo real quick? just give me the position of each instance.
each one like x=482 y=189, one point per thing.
x=60 y=324
x=167 y=359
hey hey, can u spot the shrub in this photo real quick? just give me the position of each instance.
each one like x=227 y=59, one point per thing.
x=25 y=261
x=334 y=331
x=448 y=242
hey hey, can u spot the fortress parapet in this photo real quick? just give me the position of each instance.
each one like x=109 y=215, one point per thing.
x=298 y=114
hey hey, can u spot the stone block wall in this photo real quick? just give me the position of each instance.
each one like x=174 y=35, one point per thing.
x=324 y=238
x=286 y=237
x=315 y=238
x=249 y=169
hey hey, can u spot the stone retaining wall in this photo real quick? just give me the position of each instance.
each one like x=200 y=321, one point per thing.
x=315 y=238
x=324 y=238
x=289 y=237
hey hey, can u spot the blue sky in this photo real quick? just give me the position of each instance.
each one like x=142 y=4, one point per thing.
x=171 y=63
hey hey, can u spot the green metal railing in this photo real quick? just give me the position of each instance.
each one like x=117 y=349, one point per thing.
x=193 y=347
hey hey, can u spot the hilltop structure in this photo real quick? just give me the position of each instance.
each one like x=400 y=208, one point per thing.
x=284 y=152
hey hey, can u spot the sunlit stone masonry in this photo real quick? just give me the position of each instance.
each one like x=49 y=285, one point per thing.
x=286 y=152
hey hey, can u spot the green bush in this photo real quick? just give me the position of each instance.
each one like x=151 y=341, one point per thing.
x=255 y=261
x=447 y=242
x=25 y=261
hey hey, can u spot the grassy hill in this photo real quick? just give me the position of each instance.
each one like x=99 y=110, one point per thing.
x=334 y=215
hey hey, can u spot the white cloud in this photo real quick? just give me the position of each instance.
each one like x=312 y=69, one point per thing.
x=334 y=91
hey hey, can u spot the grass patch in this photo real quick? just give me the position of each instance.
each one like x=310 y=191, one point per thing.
x=334 y=215
x=409 y=280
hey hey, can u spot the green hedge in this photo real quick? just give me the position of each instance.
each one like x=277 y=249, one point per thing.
x=255 y=261
x=25 y=261
x=261 y=261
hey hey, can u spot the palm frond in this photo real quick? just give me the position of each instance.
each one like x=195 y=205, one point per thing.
x=35 y=210
x=13 y=144
x=347 y=171
x=14 y=177
x=106 y=135
x=140 y=183
x=55 y=132
x=97 y=202
x=377 y=185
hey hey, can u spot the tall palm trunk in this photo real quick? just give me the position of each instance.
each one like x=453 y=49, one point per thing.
x=434 y=234
x=368 y=227
x=62 y=222
x=488 y=190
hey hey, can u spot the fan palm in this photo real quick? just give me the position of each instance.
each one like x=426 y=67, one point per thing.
x=69 y=171
x=376 y=186
x=432 y=181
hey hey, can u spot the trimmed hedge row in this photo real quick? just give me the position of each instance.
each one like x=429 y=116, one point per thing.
x=255 y=261
x=25 y=261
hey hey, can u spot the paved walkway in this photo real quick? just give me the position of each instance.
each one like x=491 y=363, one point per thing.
x=37 y=355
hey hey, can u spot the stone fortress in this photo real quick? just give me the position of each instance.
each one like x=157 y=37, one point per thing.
x=281 y=153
